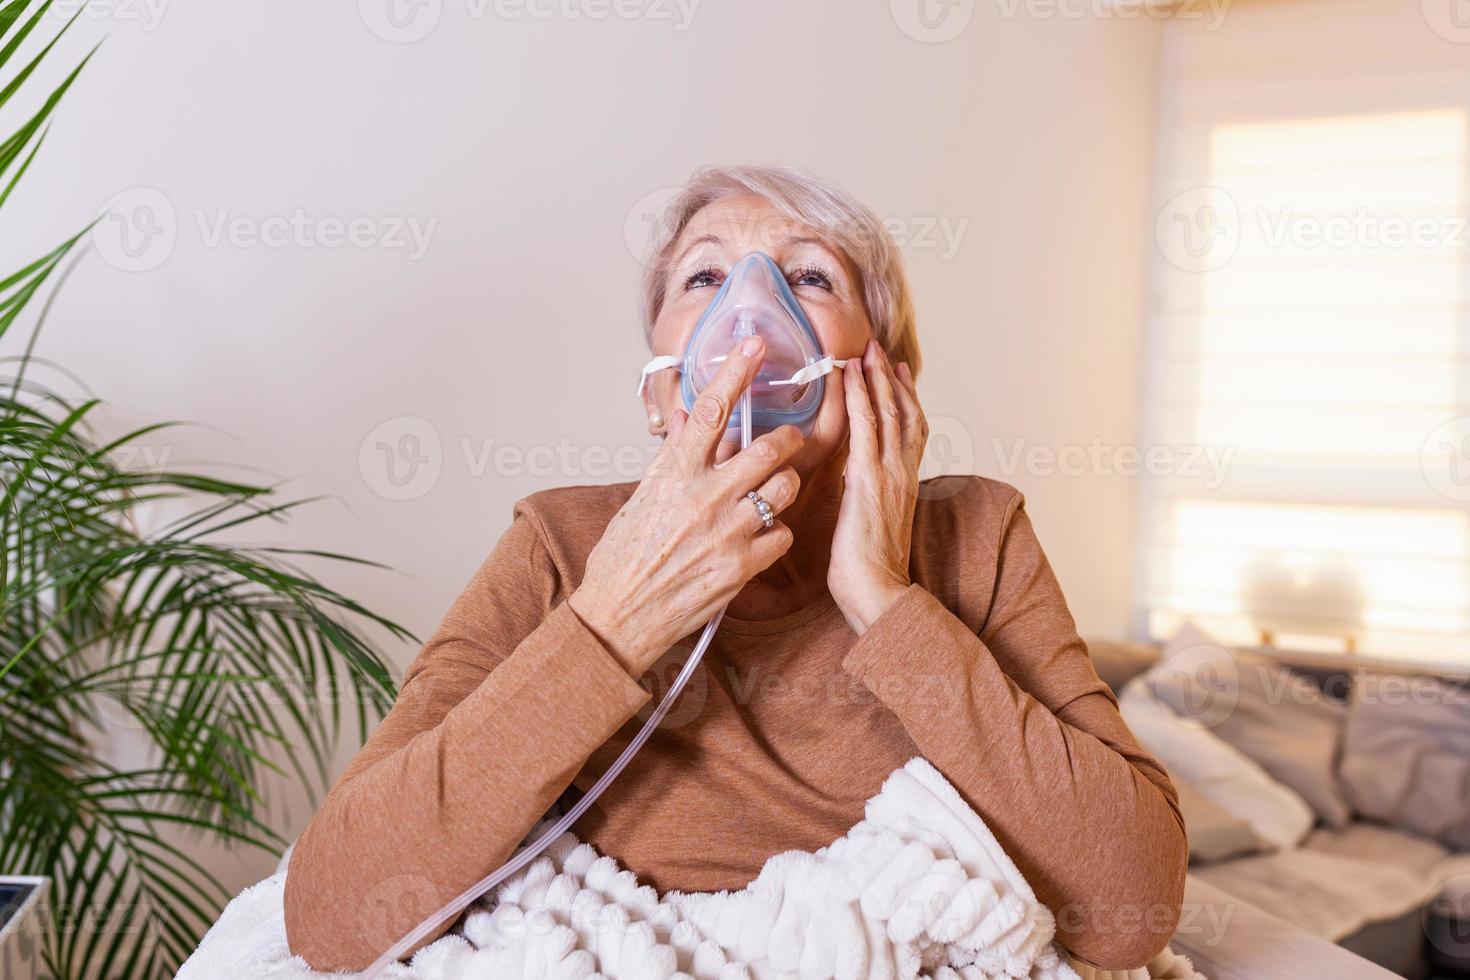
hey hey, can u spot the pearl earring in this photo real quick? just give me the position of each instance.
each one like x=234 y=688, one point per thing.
x=656 y=420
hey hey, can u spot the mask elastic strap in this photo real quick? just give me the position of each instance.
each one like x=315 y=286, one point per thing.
x=806 y=375
x=661 y=363
x=812 y=371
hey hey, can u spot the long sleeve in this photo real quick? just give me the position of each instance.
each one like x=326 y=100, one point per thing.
x=1017 y=719
x=496 y=716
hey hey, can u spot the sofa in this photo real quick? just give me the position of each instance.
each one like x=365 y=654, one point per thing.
x=1391 y=884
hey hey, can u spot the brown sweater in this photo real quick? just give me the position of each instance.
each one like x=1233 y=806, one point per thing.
x=788 y=727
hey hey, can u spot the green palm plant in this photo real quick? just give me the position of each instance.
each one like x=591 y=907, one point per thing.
x=230 y=662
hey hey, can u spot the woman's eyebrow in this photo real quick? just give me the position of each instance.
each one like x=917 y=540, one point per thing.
x=701 y=240
x=836 y=254
x=809 y=240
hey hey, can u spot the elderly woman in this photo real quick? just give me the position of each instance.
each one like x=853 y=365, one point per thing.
x=877 y=618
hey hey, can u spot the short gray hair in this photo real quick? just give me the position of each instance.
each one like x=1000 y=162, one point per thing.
x=816 y=204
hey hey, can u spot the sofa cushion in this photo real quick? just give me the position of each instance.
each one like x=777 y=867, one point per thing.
x=1118 y=663
x=1328 y=895
x=1406 y=754
x=1452 y=883
x=1215 y=834
x=1275 y=716
x=1384 y=845
x=1395 y=943
x=1192 y=752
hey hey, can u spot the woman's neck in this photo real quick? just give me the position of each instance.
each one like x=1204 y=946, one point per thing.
x=799 y=577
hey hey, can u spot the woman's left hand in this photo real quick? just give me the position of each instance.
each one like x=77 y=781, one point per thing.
x=886 y=436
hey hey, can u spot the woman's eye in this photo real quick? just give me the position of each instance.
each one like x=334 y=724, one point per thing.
x=812 y=277
x=702 y=278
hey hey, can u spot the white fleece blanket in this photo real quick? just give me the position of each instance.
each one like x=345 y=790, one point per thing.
x=920 y=887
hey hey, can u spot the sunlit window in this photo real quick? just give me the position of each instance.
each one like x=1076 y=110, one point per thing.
x=1309 y=319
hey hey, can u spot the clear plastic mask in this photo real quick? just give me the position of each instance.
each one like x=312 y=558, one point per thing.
x=756 y=301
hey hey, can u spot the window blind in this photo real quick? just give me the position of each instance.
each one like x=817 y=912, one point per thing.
x=1309 y=320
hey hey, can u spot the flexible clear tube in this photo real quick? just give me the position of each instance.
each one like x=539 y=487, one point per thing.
x=532 y=851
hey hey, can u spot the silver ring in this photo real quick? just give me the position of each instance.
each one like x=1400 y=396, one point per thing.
x=762 y=508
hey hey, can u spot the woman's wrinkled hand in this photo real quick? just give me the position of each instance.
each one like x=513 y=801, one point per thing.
x=887 y=433
x=688 y=539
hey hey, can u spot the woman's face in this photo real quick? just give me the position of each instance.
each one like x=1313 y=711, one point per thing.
x=820 y=276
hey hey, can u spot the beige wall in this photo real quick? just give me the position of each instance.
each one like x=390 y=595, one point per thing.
x=534 y=146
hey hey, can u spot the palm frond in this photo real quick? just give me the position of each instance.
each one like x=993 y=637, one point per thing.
x=231 y=662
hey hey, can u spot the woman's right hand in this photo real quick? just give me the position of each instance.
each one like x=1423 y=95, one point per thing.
x=688 y=539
